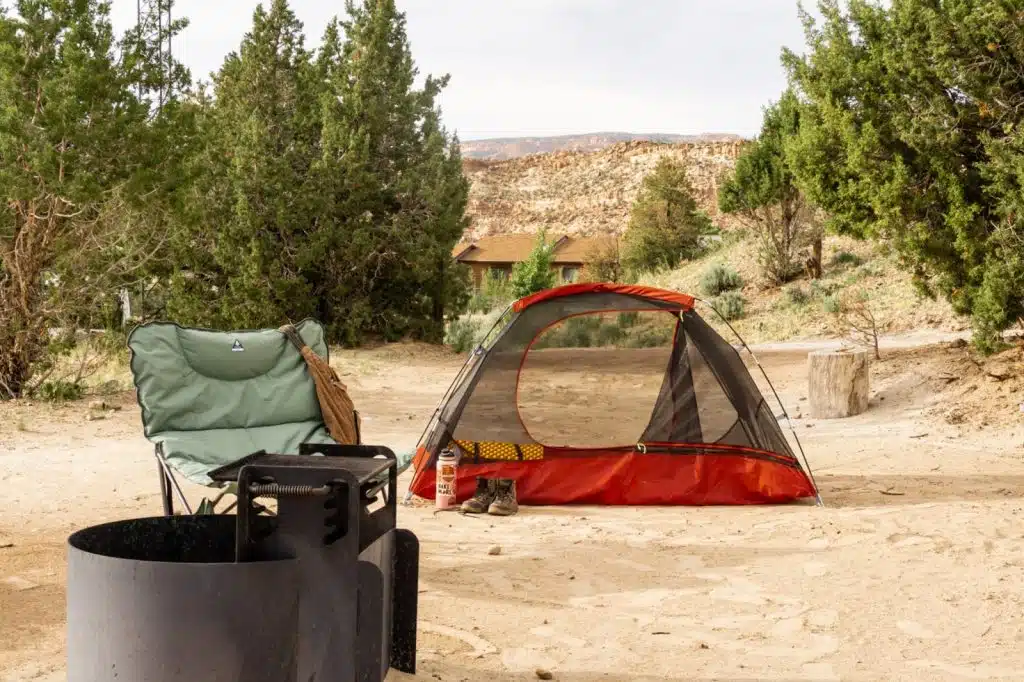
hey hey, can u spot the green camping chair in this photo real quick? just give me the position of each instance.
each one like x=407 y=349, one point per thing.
x=210 y=398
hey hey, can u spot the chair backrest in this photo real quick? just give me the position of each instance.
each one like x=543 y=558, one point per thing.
x=191 y=380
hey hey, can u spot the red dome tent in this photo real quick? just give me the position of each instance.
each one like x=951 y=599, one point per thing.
x=611 y=394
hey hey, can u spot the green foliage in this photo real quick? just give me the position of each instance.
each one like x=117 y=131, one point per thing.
x=912 y=134
x=59 y=390
x=627 y=320
x=461 y=334
x=535 y=273
x=604 y=263
x=797 y=295
x=730 y=305
x=495 y=292
x=665 y=224
x=846 y=258
x=625 y=330
x=763 y=192
x=831 y=303
x=336 y=190
x=80 y=153
x=718 y=278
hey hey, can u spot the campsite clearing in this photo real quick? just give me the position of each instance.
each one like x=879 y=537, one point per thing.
x=911 y=572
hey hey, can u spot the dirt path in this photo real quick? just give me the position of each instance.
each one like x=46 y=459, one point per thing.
x=912 y=570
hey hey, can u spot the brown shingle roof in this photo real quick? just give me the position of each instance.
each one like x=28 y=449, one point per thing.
x=581 y=249
x=514 y=248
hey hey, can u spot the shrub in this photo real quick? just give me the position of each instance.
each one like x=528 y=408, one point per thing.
x=718 y=278
x=796 y=295
x=730 y=305
x=627 y=320
x=495 y=292
x=60 y=391
x=846 y=258
x=603 y=263
x=610 y=334
x=649 y=337
x=832 y=304
x=461 y=334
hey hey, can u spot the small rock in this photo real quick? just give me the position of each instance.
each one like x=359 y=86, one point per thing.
x=543 y=674
x=703 y=645
x=97 y=405
x=95 y=416
x=495 y=550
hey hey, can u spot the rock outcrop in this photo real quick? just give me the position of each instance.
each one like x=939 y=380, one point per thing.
x=585 y=193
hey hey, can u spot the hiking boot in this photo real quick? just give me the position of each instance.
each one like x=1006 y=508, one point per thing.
x=505 y=503
x=482 y=498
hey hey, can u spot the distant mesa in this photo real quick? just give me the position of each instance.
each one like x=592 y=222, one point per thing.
x=514 y=147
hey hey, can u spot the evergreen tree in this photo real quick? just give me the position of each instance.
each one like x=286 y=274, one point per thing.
x=912 y=134
x=763 y=192
x=80 y=150
x=245 y=249
x=665 y=223
x=398 y=193
x=535 y=273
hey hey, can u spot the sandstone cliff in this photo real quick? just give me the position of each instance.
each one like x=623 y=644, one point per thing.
x=511 y=147
x=584 y=193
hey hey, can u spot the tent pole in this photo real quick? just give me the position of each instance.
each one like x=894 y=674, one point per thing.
x=451 y=387
x=789 y=422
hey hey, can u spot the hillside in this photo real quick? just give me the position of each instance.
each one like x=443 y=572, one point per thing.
x=584 y=193
x=512 y=147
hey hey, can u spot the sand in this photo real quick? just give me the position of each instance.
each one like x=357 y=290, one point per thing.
x=912 y=570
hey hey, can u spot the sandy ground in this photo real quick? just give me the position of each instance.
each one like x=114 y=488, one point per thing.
x=912 y=570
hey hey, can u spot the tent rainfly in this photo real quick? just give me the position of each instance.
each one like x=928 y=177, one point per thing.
x=610 y=394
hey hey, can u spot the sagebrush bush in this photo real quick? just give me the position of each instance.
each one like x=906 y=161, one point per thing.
x=730 y=304
x=718 y=278
x=461 y=334
x=796 y=295
x=846 y=258
x=832 y=303
x=627 y=320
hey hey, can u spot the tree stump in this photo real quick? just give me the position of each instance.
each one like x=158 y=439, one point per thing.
x=837 y=383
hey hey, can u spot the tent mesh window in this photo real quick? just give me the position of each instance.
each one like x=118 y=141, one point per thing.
x=560 y=376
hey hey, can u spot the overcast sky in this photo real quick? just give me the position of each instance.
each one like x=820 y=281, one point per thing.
x=551 y=67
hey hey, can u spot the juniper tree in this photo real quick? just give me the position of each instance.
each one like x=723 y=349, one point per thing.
x=912 y=135
x=762 y=191
x=244 y=250
x=81 y=149
x=665 y=223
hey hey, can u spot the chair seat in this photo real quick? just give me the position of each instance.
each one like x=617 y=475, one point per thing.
x=196 y=453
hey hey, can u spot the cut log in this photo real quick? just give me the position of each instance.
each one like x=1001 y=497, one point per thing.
x=838 y=383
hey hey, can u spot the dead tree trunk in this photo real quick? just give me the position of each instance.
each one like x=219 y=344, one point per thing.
x=838 y=383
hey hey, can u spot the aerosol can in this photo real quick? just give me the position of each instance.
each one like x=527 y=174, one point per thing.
x=447 y=468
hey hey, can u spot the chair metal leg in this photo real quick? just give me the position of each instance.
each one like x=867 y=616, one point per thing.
x=169 y=486
x=166 y=494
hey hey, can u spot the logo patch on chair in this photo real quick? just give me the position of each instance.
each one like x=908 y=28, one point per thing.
x=236 y=347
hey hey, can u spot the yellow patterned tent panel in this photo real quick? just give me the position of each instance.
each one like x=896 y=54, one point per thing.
x=489 y=450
